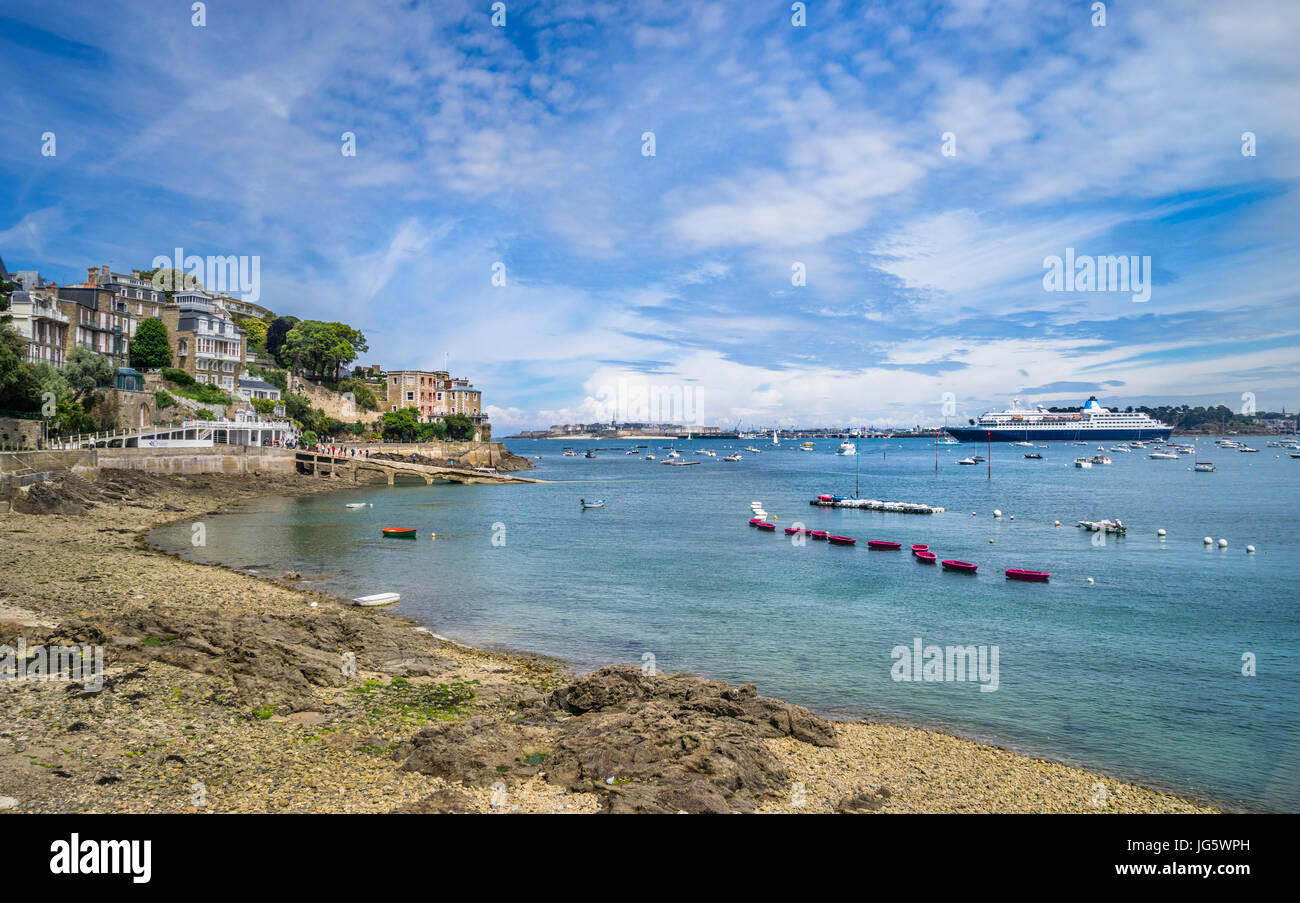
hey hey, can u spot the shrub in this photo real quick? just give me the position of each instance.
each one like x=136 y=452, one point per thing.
x=205 y=414
x=178 y=376
x=163 y=399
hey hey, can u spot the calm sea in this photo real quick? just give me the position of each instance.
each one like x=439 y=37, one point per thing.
x=1138 y=673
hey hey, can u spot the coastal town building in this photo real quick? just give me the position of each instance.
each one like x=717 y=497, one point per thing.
x=435 y=394
x=204 y=339
x=251 y=389
x=38 y=318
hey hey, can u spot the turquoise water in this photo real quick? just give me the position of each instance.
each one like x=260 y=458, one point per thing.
x=1138 y=674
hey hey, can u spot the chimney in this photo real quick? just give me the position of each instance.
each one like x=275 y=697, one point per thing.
x=92 y=275
x=105 y=276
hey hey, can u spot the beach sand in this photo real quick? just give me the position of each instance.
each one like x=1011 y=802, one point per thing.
x=228 y=692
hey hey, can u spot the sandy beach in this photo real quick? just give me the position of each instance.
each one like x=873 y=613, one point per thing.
x=229 y=692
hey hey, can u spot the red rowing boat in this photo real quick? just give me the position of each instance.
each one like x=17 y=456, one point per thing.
x=817 y=534
x=925 y=557
x=794 y=531
x=964 y=567
x=920 y=548
x=841 y=540
x=755 y=521
x=1030 y=576
x=883 y=544
x=763 y=525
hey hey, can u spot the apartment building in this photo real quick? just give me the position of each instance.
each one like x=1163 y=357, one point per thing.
x=434 y=393
x=97 y=319
x=39 y=318
x=205 y=341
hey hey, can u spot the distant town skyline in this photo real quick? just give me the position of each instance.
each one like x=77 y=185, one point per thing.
x=842 y=222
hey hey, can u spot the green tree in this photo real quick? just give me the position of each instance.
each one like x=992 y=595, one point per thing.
x=320 y=348
x=86 y=371
x=402 y=425
x=361 y=393
x=256 y=331
x=275 y=335
x=149 y=347
x=19 y=388
x=6 y=291
x=459 y=427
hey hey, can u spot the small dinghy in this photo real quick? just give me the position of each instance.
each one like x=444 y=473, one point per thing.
x=1035 y=456
x=600 y=503
x=920 y=547
x=377 y=599
x=817 y=534
x=355 y=505
x=764 y=525
x=755 y=521
x=964 y=567
x=399 y=532
x=841 y=540
x=794 y=531
x=925 y=557
x=1028 y=576
x=883 y=545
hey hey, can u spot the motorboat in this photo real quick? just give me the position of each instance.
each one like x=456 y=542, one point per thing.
x=1028 y=576
x=846 y=448
x=589 y=454
x=600 y=503
x=732 y=457
x=752 y=450
x=1099 y=459
x=651 y=457
x=570 y=453
x=968 y=461
x=1163 y=456
x=1036 y=456
x=1082 y=463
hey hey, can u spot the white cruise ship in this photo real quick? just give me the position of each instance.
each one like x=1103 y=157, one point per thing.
x=1018 y=424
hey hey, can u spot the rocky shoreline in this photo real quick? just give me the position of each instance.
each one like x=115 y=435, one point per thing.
x=228 y=692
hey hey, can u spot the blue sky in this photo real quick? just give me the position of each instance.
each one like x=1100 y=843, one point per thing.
x=775 y=145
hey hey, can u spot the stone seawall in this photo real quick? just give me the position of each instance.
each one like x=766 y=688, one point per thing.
x=470 y=454
x=218 y=459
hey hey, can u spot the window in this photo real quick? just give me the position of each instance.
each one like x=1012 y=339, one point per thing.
x=410 y=396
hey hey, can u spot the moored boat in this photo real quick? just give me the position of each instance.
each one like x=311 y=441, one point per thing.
x=841 y=540
x=920 y=547
x=1203 y=467
x=968 y=461
x=399 y=532
x=883 y=545
x=599 y=503
x=764 y=525
x=377 y=599
x=817 y=534
x=1028 y=576
x=964 y=567
x=926 y=557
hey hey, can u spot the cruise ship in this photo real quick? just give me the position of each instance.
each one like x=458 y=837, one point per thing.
x=1092 y=423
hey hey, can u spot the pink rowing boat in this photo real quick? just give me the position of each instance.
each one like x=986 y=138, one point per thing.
x=964 y=567
x=794 y=531
x=841 y=540
x=920 y=548
x=755 y=521
x=763 y=525
x=883 y=544
x=1030 y=576
x=925 y=557
x=817 y=534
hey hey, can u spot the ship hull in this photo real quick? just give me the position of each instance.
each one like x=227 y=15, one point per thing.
x=1045 y=434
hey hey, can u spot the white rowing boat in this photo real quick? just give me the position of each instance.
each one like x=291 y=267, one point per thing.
x=377 y=599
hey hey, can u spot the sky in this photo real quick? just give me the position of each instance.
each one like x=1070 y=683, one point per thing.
x=840 y=222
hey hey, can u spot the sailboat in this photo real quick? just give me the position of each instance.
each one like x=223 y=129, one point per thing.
x=776 y=437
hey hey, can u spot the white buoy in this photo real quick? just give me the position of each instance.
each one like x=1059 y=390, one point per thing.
x=990 y=542
x=1056 y=524
x=1090 y=580
x=997 y=512
x=1013 y=517
x=1209 y=540
x=1223 y=543
x=972 y=514
x=1250 y=549
x=1160 y=532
